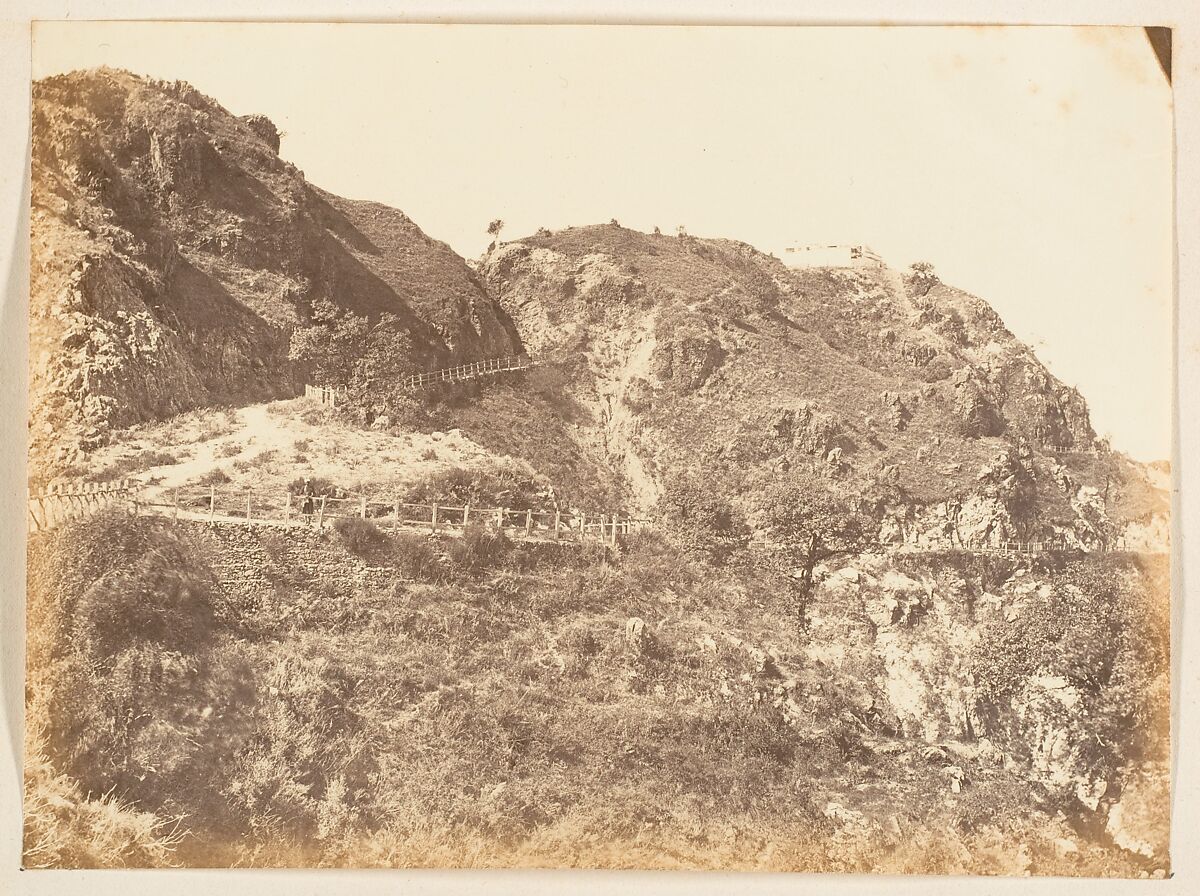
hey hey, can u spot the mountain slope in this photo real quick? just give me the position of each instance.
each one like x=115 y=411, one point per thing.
x=173 y=251
x=708 y=359
x=756 y=682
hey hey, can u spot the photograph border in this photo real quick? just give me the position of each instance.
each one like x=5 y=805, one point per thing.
x=14 y=192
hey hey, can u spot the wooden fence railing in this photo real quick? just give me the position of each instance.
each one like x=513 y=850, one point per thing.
x=325 y=394
x=1059 y=449
x=60 y=502
x=999 y=547
x=334 y=395
x=247 y=506
x=471 y=371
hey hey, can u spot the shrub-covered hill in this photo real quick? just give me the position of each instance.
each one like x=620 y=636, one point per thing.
x=801 y=668
x=694 y=360
x=173 y=251
x=232 y=695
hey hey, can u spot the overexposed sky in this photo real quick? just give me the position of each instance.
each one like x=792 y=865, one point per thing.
x=1032 y=166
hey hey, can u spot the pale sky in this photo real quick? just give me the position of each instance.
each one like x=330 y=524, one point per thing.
x=1031 y=166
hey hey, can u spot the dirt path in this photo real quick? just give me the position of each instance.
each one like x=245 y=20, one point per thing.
x=267 y=446
x=256 y=429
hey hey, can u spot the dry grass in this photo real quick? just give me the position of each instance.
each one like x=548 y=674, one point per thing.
x=505 y=716
x=64 y=829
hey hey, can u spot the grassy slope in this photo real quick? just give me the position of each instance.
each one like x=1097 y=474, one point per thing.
x=265 y=448
x=505 y=717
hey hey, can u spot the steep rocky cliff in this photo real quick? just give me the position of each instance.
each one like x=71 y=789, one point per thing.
x=707 y=358
x=173 y=250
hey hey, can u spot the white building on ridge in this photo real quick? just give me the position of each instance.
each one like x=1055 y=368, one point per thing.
x=836 y=256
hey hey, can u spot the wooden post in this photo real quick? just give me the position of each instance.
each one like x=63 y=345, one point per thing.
x=212 y=502
x=287 y=508
x=614 y=529
x=396 y=515
x=435 y=519
x=500 y=519
x=247 y=506
x=362 y=508
x=528 y=522
x=321 y=514
x=557 y=520
x=466 y=515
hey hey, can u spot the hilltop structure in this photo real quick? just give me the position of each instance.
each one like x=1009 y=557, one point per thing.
x=832 y=256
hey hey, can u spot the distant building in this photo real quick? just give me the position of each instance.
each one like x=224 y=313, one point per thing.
x=838 y=256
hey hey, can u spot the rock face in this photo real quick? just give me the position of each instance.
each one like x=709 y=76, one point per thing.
x=931 y=632
x=708 y=358
x=173 y=250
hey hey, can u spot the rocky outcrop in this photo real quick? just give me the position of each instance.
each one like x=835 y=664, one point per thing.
x=924 y=630
x=265 y=128
x=686 y=359
x=809 y=430
x=756 y=372
x=173 y=251
x=974 y=412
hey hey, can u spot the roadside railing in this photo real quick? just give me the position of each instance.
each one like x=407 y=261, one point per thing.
x=1059 y=449
x=472 y=370
x=60 y=502
x=335 y=395
x=249 y=506
x=326 y=394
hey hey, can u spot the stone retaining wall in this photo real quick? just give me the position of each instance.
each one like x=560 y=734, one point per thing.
x=245 y=552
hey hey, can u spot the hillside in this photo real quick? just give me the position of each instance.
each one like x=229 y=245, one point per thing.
x=173 y=251
x=819 y=650
x=347 y=697
x=707 y=360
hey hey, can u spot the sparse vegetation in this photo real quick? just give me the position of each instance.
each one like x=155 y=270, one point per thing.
x=415 y=557
x=214 y=477
x=782 y=674
x=361 y=537
x=500 y=483
x=135 y=463
x=318 y=484
x=921 y=278
x=478 y=549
